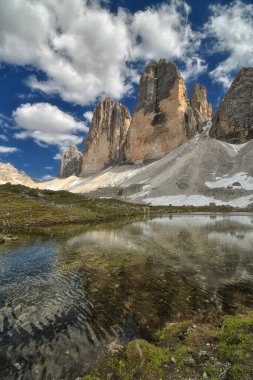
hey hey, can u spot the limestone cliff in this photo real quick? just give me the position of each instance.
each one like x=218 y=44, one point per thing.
x=233 y=120
x=8 y=173
x=71 y=162
x=163 y=118
x=202 y=110
x=106 y=138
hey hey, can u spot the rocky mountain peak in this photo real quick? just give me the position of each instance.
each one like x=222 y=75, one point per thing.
x=8 y=173
x=71 y=162
x=202 y=110
x=107 y=135
x=163 y=118
x=233 y=120
x=156 y=83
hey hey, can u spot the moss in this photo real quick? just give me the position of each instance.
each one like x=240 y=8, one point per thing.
x=186 y=350
x=235 y=346
x=141 y=360
x=89 y=377
x=174 y=333
x=212 y=372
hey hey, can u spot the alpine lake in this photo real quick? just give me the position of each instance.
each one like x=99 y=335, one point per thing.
x=64 y=298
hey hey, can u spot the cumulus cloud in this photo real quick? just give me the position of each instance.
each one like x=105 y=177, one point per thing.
x=162 y=31
x=47 y=125
x=58 y=37
x=85 y=50
x=232 y=28
x=88 y=115
x=7 y=149
x=57 y=156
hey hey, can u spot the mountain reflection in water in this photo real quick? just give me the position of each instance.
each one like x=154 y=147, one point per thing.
x=62 y=301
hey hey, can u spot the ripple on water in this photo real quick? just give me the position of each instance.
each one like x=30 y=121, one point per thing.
x=62 y=301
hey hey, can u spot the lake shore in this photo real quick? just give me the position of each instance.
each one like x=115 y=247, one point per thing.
x=216 y=348
x=24 y=208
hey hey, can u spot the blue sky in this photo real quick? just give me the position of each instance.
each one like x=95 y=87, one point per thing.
x=59 y=57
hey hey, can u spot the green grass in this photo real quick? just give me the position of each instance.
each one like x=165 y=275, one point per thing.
x=22 y=207
x=186 y=350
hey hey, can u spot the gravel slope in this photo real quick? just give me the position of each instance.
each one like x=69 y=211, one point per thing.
x=200 y=172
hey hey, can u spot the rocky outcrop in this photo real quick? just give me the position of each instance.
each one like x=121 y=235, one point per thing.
x=163 y=118
x=8 y=173
x=106 y=138
x=202 y=110
x=233 y=120
x=71 y=162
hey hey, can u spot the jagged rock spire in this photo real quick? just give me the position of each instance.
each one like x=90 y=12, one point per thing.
x=202 y=110
x=163 y=118
x=233 y=120
x=106 y=138
x=71 y=162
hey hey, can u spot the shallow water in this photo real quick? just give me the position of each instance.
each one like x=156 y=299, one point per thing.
x=63 y=300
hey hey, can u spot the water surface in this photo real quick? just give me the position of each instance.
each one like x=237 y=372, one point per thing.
x=62 y=300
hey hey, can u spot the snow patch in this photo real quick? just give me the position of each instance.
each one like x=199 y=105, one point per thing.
x=197 y=200
x=145 y=191
x=242 y=181
x=238 y=147
x=207 y=127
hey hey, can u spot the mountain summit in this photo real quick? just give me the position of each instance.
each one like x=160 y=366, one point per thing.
x=163 y=118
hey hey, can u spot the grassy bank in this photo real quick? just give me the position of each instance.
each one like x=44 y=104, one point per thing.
x=22 y=207
x=186 y=350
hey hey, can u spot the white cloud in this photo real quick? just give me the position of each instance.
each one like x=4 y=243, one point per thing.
x=162 y=32
x=3 y=137
x=194 y=66
x=57 y=156
x=87 y=52
x=88 y=115
x=232 y=27
x=7 y=149
x=5 y=123
x=46 y=177
x=48 y=167
x=82 y=48
x=47 y=125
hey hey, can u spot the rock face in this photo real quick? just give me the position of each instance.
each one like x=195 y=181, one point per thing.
x=202 y=110
x=71 y=162
x=163 y=118
x=233 y=120
x=9 y=173
x=106 y=138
